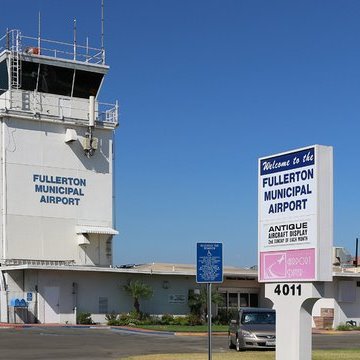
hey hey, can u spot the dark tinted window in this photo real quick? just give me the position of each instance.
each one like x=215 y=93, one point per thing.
x=244 y=299
x=233 y=300
x=29 y=72
x=254 y=301
x=258 y=317
x=86 y=84
x=55 y=80
x=58 y=80
x=4 y=80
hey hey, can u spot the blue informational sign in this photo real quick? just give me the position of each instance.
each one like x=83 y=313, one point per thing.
x=209 y=263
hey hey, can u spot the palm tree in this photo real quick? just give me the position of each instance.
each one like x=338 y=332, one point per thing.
x=198 y=302
x=138 y=290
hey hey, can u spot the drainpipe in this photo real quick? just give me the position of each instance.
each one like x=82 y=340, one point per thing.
x=4 y=194
x=4 y=313
x=356 y=252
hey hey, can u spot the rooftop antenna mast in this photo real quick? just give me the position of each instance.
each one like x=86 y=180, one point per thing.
x=102 y=32
x=39 y=31
x=74 y=39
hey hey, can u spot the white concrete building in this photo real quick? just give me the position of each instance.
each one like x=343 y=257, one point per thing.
x=56 y=169
x=55 y=293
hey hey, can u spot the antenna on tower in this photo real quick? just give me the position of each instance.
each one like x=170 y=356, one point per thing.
x=102 y=32
x=74 y=39
x=39 y=31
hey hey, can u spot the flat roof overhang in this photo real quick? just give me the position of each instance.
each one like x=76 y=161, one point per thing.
x=141 y=269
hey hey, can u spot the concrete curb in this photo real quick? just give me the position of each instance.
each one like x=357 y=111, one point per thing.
x=141 y=331
x=148 y=331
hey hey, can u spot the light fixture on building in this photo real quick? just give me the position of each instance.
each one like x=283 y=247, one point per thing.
x=70 y=135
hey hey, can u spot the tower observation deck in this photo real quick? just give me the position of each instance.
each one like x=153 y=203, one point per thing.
x=52 y=79
x=56 y=143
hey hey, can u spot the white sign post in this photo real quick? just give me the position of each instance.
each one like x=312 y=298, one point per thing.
x=293 y=303
x=295 y=240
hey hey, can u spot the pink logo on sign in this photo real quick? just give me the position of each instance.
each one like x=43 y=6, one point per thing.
x=287 y=265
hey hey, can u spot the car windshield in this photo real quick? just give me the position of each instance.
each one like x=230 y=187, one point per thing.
x=258 y=318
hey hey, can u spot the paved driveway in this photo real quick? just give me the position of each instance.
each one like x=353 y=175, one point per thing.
x=79 y=343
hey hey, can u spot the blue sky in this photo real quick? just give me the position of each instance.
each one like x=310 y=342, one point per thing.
x=207 y=87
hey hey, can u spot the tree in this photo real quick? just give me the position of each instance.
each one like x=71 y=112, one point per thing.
x=138 y=290
x=198 y=301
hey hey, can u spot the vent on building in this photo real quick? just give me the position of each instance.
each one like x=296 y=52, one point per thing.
x=341 y=256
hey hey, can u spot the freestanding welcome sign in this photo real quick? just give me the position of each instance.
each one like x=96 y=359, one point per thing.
x=295 y=240
x=295 y=216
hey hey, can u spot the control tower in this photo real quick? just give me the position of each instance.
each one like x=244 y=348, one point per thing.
x=56 y=144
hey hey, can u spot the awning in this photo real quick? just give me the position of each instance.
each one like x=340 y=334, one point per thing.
x=90 y=229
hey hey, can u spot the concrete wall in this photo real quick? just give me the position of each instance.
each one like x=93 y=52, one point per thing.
x=342 y=295
x=90 y=291
x=36 y=228
x=59 y=295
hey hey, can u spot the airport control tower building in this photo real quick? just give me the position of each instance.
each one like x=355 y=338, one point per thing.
x=56 y=179
x=56 y=171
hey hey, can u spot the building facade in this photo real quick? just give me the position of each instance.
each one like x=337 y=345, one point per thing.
x=56 y=172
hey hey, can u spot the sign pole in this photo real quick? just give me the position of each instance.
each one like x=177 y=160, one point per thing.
x=293 y=317
x=209 y=320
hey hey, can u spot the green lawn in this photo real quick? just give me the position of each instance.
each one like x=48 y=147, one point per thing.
x=180 y=328
x=252 y=355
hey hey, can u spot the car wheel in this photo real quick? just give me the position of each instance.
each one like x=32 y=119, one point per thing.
x=231 y=345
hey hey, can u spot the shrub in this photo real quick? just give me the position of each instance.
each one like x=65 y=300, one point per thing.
x=224 y=316
x=123 y=319
x=131 y=319
x=127 y=319
x=167 y=319
x=193 y=319
x=84 y=319
x=347 y=327
x=112 y=319
x=180 y=320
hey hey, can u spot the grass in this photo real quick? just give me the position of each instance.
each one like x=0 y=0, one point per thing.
x=186 y=328
x=348 y=354
x=343 y=327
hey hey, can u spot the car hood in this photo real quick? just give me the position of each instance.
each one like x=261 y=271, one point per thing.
x=259 y=328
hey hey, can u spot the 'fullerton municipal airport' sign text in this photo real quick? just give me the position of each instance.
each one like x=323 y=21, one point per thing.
x=296 y=215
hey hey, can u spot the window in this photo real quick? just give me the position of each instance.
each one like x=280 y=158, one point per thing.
x=3 y=77
x=103 y=305
x=244 y=299
x=258 y=317
x=86 y=84
x=57 y=80
x=233 y=300
x=236 y=300
x=254 y=300
x=29 y=72
x=224 y=299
